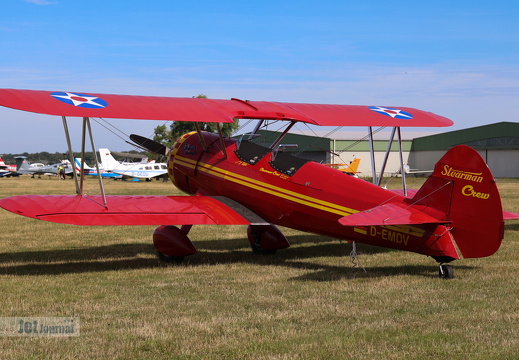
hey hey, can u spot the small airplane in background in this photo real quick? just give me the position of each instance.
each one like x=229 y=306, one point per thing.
x=350 y=169
x=7 y=170
x=90 y=171
x=109 y=167
x=409 y=171
x=23 y=167
x=456 y=213
x=140 y=170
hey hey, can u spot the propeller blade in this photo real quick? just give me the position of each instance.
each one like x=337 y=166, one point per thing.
x=150 y=145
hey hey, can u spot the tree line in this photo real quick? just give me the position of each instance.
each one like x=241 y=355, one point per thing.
x=167 y=137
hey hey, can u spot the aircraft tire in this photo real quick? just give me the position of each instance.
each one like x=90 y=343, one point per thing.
x=256 y=249
x=170 y=259
x=254 y=236
x=446 y=272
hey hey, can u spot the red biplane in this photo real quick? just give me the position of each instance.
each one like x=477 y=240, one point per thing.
x=457 y=212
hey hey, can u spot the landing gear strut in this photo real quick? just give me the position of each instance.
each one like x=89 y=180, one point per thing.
x=446 y=271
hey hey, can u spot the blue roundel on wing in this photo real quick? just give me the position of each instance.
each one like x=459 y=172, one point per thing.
x=392 y=112
x=80 y=100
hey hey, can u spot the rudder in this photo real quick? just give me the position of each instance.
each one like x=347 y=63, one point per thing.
x=21 y=163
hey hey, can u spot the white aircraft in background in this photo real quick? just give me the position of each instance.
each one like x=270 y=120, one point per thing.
x=140 y=170
x=409 y=171
x=23 y=167
x=6 y=170
x=91 y=171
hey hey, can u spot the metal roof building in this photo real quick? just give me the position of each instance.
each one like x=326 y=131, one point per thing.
x=335 y=151
x=497 y=143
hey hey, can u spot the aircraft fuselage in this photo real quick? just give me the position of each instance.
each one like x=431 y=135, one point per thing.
x=292 y=192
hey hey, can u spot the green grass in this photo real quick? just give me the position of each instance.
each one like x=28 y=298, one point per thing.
x=306 y=302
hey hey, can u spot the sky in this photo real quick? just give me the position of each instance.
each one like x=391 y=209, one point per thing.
x=459 y=59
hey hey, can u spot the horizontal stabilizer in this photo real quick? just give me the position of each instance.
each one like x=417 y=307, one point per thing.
x=389 y=214
x=125 y=210
x=508 y=215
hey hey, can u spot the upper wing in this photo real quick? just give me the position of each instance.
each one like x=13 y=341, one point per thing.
x=212 y=110
x=131 y=210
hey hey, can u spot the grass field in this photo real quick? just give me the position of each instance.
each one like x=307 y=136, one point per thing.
x=306 y=302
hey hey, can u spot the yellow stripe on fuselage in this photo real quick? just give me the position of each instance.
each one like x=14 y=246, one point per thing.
x=284 y=193
x=266 y=187
x=362 y=230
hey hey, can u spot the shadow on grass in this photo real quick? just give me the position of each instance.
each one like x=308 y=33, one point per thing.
x=332 y=273
x=139 y=256
x=512 y=226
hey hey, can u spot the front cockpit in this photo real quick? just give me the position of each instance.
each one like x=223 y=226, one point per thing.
x=205 y=152
x=280 y=161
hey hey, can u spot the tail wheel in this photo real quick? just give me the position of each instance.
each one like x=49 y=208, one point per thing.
x=446 y=272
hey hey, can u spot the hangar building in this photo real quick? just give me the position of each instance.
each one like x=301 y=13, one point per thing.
x=497 y=143
x=336 y=151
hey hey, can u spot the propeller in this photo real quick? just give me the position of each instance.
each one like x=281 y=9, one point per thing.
x=150 y=145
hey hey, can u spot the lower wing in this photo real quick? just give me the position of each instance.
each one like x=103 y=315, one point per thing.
x=131 y=210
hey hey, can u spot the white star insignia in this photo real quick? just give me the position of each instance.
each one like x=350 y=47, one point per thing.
x=391 y=112
x=79 y=99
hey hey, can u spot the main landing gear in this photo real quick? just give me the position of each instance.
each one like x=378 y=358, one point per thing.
x=173 y=244
x=266 y=239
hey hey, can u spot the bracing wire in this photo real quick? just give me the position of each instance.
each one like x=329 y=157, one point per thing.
x=113 y=126
x=117 y=132
x=333 y=131
x=362 y=139
x=241 y=127
x=315 y=134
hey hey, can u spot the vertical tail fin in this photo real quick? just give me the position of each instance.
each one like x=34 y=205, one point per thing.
x=77 y=161
x=463 y=190
x=21 y=163
x=108 y=161
x=353 y=166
